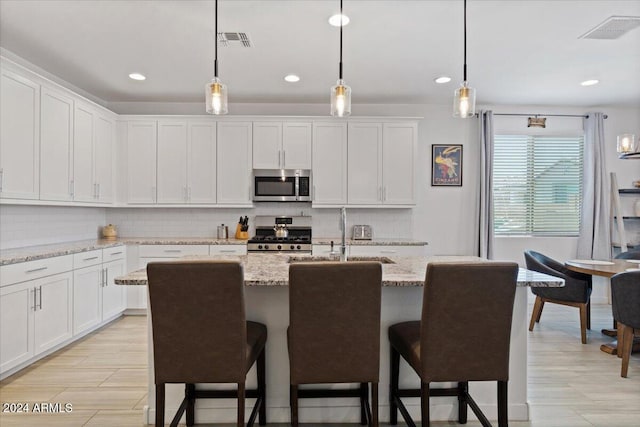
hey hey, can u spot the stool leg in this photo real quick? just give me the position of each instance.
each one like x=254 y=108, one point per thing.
x=364 y=393
x=502 y=403
x=189 y=391
x=393 y=386
x=241 y=404
x=262 y=388
x=424 y=404
x=294 y=405
x=463 y=389
x=374 y=404
x=160 y=405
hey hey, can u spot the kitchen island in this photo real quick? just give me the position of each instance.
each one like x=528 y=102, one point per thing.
x=266 y=296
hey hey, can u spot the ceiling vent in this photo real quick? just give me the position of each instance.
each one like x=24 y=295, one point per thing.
x=612 y=28
x=234 y=40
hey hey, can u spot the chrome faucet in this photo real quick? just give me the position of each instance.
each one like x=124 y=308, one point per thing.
x=343 y=246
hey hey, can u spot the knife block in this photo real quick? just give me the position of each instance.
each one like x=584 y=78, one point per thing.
x=241 y=235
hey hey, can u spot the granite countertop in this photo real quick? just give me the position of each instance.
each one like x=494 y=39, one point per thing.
x=32 y=253
x=374 y=242
x=180 y=241
x=262 y=269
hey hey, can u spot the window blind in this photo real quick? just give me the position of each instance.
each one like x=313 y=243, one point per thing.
x=537 y=185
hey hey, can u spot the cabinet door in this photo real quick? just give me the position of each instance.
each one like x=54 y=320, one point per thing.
x=267 y=145
x=330 y=163
x=172 y=162
x=87 y=293
x=364 y=163
x=84 y=189
x=56 y=145
x=234 y=163
x=141 y=162
x=52 y=318
x=103 y=163
x=112 y=294
x=16 y=324
x=201 y=165
x=19 y=137
x=398 y=156
x=296 y=145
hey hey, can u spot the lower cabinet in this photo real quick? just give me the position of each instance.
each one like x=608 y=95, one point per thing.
x=87 y=298
x=34 y=317
x=113 y=298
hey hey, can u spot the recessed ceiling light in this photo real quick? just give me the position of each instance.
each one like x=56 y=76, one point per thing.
x=291 y=78
x=339 y=20
x=590 y=82
x=442 y=79
x=137 y=76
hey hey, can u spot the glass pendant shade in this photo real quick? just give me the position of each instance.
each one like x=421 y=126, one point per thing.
x=464 y=101
x=340 y=99
x=627 y=144
x=216 y=97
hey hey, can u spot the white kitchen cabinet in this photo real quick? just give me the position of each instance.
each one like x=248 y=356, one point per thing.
x=104 y=141
x=19 y=137
x=329 y=163
x=234 y=163
x=56 y=145
x=201 y=165
x=113 y=299
x=17 y=305
x=227 y=249
x=278 y=145
x=364 y=165
x=141 y=162
x=381 y=163
x=399 y=149
x=54 y=311
x=83 y=153
x=172 y=162
x=87 y=297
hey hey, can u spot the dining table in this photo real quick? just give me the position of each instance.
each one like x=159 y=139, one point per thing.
x=607 y=268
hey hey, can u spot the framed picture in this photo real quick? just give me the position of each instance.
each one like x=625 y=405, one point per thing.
x=446 y=165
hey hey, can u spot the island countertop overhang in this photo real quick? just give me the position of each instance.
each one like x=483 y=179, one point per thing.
x=262 y=269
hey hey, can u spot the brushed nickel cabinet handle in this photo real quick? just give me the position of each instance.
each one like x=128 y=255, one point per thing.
x=116 y=253
x=34 y=298
x=33 y=270
x=90 y=258
x=173 y=250
x=40 y=299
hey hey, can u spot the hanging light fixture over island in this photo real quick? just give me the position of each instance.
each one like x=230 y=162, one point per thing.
x=215 y=90
x=341 y=93
x=464 y=101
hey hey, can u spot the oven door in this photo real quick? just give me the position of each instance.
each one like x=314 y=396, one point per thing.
x=275 y=188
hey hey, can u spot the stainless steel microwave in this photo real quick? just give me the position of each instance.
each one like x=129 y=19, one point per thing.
x=281 y=185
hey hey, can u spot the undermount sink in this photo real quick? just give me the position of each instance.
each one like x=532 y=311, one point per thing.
x=380 y=259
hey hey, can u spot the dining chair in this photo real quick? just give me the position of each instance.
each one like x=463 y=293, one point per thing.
x=576 y=291
x=625 y=303
x=629 y=255
x=200 y=335
x=464 y=335
x=334 y=332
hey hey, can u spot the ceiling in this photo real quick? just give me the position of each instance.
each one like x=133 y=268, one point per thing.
x=520 y=52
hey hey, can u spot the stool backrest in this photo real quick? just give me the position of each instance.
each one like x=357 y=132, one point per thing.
x=625 y=298
x=334 y=318
x=198 y=321
x=628 y=255
x=466 y=321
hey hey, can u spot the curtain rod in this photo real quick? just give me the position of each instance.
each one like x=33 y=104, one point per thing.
x=586 y=116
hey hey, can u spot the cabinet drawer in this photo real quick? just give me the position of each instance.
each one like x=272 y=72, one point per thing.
x=112 y=254
x=86 y=259
x=228 y=250
x=172 y=251
x=20 y=272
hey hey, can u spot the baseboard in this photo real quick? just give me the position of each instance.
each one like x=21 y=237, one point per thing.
x=135 y=312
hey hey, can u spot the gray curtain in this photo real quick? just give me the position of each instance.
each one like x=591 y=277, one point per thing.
x=485 y=237
x=594 y=240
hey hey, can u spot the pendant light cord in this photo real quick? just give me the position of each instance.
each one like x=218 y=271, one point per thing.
x=215 y=61
x=341 y=25
x=464 y=70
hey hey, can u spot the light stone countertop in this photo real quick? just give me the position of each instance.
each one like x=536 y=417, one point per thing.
x=32 y=253
x=263 y=269
x=374 y=242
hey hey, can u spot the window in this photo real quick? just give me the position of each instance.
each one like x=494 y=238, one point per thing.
x=537 y=185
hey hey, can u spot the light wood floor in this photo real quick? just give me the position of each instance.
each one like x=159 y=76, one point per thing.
x=104 y=377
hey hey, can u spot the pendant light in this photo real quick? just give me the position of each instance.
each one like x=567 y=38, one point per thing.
x=464 y=101
x=215 y=90
x=340 y=93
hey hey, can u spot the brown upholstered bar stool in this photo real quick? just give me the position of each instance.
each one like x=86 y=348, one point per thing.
x=464 y=335
x=334 y=331
x=200 y=335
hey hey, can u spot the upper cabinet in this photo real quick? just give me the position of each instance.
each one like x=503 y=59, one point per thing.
x=19 y=137
x=141 y=161
x=104 y=142
x=364 y=164
x=281 y=145
x=399 y=151
x=201 y=162
x=234 y=163
x=329 y=168
x=172 y=162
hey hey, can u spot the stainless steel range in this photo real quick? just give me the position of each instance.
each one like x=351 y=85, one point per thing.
x=281 y=234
